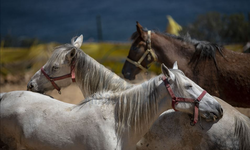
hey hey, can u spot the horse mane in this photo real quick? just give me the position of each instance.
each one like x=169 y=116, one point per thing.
x=133 y=107
x=181 y=92
x=242 y=131
x=58 y=54
x=137 y=105
x=203 y=50
x=92 y=76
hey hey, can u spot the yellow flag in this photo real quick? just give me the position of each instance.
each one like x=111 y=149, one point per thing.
x=173 y=27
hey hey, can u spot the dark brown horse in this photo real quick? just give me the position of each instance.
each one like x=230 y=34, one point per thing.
x=221 y=72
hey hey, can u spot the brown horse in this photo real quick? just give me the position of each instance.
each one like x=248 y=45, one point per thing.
x=223 y=73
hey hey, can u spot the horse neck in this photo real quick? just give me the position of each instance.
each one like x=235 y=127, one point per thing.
x=137 y=108
x=93 y=77
x=169 y=50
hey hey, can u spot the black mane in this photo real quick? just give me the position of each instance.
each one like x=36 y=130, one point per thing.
x=203 y=50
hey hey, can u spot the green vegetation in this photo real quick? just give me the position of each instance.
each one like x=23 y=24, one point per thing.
x=219 y=28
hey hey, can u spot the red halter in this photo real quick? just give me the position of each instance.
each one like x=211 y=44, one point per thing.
x=53 y=79
x=175 y=100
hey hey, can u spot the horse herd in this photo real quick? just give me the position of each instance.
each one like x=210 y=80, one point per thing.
x=173 y=110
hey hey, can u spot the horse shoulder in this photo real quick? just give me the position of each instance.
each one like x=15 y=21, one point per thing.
x=170 y=131
x=97 y=119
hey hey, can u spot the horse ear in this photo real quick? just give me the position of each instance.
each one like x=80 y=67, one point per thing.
x=140 y=31
x=78 y=42
x=71 y=54
x=167 y=73
x=175 y=66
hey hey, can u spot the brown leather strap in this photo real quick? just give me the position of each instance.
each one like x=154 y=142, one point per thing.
x=149 y=50
x=175 y=100
x=196 y=106
x=53 y=79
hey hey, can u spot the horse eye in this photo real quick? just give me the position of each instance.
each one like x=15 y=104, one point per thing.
x=189 y=86
x=135 y=48
x=55 y=68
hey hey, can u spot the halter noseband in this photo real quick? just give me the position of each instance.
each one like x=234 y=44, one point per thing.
x=53 y=79
x=175 y=101
x=149 y=50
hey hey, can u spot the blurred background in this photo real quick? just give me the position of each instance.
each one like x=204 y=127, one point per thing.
x=31 y=29
x=60 y=20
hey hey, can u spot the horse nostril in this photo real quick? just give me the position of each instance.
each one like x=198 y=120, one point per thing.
x=221 y=110
x=29 y=87
x=126 y=75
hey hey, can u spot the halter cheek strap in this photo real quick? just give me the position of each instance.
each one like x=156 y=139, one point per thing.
x=175 y=100
x=149 y=50
x=53 y=79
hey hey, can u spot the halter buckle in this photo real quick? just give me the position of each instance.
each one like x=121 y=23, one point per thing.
x=192 y=123
x=175 y=101
x=148 y=51
x=197 y=103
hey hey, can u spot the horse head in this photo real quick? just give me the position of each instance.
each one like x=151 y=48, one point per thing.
x=189 y=97
x=140 y=55
x=59 y=69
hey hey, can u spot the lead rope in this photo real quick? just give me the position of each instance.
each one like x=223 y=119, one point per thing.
x=200 y=121
x=192 y=121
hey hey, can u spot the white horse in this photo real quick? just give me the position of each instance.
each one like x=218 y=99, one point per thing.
x=105 y=121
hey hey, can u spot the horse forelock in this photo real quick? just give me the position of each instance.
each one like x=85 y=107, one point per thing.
x=242 y=131
x=180 y=88
x=59 y=54
x=135 y=35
